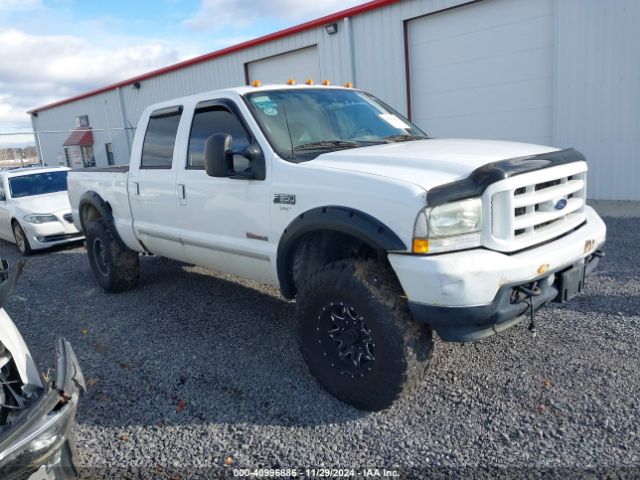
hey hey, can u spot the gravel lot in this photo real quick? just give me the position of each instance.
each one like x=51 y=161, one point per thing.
x=193 y=367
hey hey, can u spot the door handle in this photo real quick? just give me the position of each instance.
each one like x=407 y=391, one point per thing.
x=181 y=193
x=137 y=187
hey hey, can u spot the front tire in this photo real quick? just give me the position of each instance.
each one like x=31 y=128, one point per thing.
x=115 y=268
x=357 y=335
x=22 y=241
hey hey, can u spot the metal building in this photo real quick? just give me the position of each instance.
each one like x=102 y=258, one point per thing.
x=556 y=72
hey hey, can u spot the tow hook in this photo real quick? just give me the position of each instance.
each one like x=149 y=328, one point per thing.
x=534 y=291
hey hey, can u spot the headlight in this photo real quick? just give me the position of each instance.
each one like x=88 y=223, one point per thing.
x=40 y=218
x=453 y=226
x=456 y=218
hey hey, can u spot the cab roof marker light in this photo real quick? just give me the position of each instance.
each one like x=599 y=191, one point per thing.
x=291 y=81
x=309 y=82
x=256 y=83
x=348 y=85
x=326 y=83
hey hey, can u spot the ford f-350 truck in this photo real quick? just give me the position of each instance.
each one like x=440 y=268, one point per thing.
x=379 y=232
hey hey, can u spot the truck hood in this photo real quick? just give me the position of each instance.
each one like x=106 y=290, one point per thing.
x=47 y=203
x=426 y=163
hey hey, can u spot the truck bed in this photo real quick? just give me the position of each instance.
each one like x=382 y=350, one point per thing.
x=110 y=183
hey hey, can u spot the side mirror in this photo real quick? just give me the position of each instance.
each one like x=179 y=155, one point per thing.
x=218 y=157
x=254 y=154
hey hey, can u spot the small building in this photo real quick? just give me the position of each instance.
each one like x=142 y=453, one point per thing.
x=78 y=147
x=553 y=72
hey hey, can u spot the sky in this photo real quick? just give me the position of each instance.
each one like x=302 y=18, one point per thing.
x=54 y=49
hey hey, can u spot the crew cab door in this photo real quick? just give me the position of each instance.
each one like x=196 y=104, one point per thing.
x=152 y=187
x=225 y=222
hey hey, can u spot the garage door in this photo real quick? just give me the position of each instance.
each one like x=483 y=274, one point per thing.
x=484 y=71
x=299 y=64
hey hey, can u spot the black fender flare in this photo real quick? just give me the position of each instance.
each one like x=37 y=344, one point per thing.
x=94 y=200
x=337 y=219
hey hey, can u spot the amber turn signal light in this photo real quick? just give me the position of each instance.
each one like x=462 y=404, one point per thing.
x=420 y=245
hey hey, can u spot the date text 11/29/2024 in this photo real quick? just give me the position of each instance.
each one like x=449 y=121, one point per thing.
x=316 y=473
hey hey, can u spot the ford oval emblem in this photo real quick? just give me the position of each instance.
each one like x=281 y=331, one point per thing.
x=560 y=204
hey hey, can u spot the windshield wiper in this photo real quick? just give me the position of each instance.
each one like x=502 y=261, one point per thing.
x=326 y=144
x=338 y=144
x=405 y=138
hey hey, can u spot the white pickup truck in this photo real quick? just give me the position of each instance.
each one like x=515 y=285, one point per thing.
x=379 y=232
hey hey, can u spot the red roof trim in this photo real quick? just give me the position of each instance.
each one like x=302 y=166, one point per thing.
x=82 y=136
x=349 y=12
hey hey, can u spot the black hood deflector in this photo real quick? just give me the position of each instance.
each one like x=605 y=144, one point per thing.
x=478 y=181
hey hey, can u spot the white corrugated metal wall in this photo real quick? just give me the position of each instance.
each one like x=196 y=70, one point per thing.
x=485 y=71
x=596 y=91
x=105 y=117
x=301 y=64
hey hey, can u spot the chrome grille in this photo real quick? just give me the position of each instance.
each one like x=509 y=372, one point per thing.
x=535 y=207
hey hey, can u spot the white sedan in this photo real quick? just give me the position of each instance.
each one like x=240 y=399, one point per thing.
x=34 y=208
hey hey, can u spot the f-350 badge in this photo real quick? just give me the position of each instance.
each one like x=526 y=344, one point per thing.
x=284 y=198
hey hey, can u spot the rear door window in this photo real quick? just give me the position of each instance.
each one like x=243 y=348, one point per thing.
x=160 y=138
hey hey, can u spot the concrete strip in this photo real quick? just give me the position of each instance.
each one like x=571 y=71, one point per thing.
x=616 y=208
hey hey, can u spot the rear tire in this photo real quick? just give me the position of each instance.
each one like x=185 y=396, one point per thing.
x=115 y=268
x=357 y=335
x=22 y=241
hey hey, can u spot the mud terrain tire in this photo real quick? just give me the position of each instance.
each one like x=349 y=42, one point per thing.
x=115 y=268
x=357 y=335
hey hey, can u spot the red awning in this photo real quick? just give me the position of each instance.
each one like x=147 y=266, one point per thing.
x=80 y=136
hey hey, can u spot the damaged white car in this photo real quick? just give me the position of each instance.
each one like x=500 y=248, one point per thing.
x=36 y=413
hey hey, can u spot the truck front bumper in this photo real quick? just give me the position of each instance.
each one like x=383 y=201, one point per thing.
x=472 y=294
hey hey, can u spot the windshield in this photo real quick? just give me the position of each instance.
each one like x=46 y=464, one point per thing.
x=38 y=184
x=301 y=124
